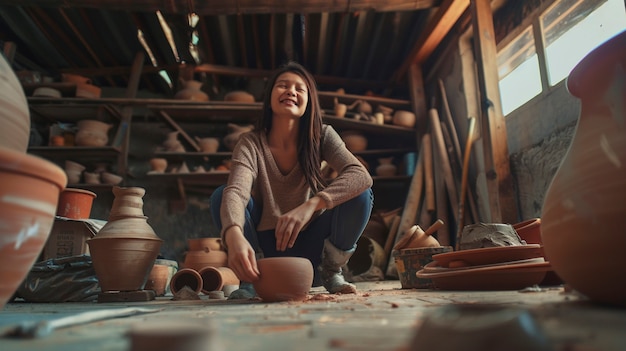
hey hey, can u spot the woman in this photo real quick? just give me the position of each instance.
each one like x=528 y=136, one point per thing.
x=276 y=202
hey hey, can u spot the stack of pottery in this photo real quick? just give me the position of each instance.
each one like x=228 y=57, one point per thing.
x=84 y=88
x=29 y=190
x=205 y=252
x=125 y=249
x=192 y=90
x=92 y=133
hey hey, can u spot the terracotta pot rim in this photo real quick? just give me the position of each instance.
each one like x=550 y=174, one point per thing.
x=80 y=191
x=33 y=166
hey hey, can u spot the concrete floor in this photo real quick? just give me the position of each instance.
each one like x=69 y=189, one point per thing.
x=382 y=316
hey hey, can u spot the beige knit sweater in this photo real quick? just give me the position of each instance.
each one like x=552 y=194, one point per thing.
x=255 y=173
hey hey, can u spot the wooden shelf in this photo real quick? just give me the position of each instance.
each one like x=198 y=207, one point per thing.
x=369 y=127
x=65 y=152
x=211 y=112
x=211 y=179
x=327 y=99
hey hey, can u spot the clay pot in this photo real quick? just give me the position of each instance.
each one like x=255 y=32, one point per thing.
x=192 y=91
x=232 y=138
x=529 y=230
x=186 y=277
x=92 y=133
x=239 y=96
x=340 y=109
x=355 y=141
x=92 y=178
x=385 y=167
x=57 y=140
x=172 y=143
x=158 y=164
x=29 y=192
x=74 y=78
x=14 y=112
x=88 y=91
x=205 y=244
x=74 y=171
x=198 y=259
x=284 y=278
x=583 y=221
x=404 y=118
x=214 y=278
x=208 y=145
x=75 y=203
x=111 y=179
x=125 y=249
x=158 y=279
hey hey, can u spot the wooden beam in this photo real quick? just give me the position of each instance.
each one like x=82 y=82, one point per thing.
x=446 y=16
x=496 y=153
x=203 y=7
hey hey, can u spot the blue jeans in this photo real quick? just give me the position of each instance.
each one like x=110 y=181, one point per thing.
x=342 y=226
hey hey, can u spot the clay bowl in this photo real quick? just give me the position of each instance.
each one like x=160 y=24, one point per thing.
x=284 y=279
x=529 y=230
x=29 y=192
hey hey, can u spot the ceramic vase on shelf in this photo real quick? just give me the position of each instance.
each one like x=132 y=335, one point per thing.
x=125 y=249
x=192 y=91
x=92 y=133
x=583 y=216
x=208 y=145
x=385 y=167
x=29 y=192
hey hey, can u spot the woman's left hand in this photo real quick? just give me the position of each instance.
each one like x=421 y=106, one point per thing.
x=291 y=223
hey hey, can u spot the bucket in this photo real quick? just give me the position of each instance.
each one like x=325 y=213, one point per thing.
x=75 y=203
x=410 y=261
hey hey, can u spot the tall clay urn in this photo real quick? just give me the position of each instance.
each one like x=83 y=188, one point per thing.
x=583 y=218
x=124 y=250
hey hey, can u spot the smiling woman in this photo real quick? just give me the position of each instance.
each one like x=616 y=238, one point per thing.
x=276 y=203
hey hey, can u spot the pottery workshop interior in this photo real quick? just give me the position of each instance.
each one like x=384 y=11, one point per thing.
x=490 y=136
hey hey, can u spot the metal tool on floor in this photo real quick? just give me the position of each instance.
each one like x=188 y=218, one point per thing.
x=36 y=329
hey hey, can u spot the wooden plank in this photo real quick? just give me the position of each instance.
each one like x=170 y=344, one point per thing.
x=429 y=182
x=418 y=98
x=203 y=8
x=443 y=161
x=178 y=128
x=443 y=234
x=440 y=24
x=500 y=189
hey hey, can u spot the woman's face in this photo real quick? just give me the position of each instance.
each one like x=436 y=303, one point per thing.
x=290 y=95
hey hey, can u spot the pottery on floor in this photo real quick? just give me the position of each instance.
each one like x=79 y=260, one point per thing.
x=583 y=215
x=125 y=249
x=284 y=278
x=186 y=277
x=214 y=278
x=29 y=192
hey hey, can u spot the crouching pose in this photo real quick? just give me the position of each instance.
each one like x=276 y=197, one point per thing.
x=276 y=202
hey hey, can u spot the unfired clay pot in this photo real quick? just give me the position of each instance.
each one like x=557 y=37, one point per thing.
x=92 y=133
x=192 y=91
x=198 y=259
x=29 y=192
x=158 y=164
x=124 y=250
x=172 y=143
x=284 y=278
x=158 y=279
x=583 y=217
x=14 y=112
x=404 y=118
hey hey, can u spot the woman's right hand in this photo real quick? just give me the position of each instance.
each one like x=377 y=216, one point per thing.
x=241 y=258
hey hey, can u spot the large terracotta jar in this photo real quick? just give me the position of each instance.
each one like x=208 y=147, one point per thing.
x=29 y=192
x=14 y=112
x=92 y=133
x=584 y=212
x=284 y=278
x=125 y=249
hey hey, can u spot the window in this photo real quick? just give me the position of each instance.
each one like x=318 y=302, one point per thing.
x=570 y=29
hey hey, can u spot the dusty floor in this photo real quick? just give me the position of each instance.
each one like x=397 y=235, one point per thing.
x=382 y=316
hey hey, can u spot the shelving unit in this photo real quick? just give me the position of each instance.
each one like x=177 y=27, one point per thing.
x=202 y=119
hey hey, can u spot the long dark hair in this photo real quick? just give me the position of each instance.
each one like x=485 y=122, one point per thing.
x=310 y=126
